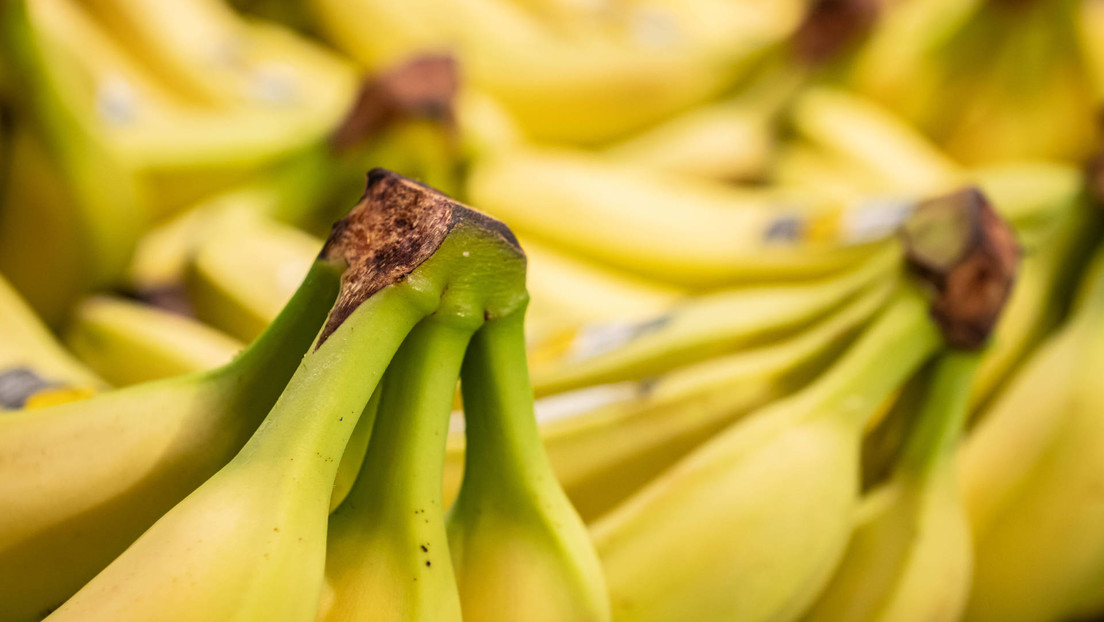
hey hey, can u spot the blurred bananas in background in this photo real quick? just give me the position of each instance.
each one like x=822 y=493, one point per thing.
x=762 y=311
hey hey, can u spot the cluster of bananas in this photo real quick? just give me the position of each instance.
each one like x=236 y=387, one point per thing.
x=808 y=324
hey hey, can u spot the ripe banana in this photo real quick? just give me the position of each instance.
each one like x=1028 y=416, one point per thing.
x=519 y=549
x=909 y=557
x=698 y=327
x=239 y=276
x=713 y=234
x=1030 y=472
x=83 y=480
x=751 y=524
x=69 y=202
x=32 y=362
x=563 y=87
x=129 y=343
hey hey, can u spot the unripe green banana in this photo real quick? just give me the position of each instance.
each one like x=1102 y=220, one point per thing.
x=909 y=558
x=1030 y=472
x=129 y=343
x=520 y=550
x=32 y=362
x=387 y=551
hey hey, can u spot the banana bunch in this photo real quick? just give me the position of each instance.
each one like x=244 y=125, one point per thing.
x=988 y=80
x=212 y=492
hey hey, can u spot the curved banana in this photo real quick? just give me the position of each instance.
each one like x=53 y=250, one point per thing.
x=520 y=550
x=1029 y=473
x=563 y=86
x=601 y=454
x=274 y=518
x=750 y=525
x=910 y=557
x=129 y=343
x=698 y=327
x=711 y=233
x=31 y=359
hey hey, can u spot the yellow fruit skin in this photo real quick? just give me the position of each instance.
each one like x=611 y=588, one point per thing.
x=1031 y=475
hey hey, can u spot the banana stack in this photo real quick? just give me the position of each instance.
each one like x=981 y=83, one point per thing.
x=648 y=311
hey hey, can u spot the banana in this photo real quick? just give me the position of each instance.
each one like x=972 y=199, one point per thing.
x=387 y=551
x=520 y=550
x=926 y=59
x=909 y=557
x=604 y=453
x=239 y=276
x=83 y=480
x=406 y=253
x=129 y=343
x=717 y=235
x=70 y=204
x=562 y=87
x=730 y=140
x=697 y=328
x=751 y=524
x=1029 y=474
x=32 y=362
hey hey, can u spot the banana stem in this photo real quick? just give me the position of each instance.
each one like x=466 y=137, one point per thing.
x=338 y=377
x=503 y=443
x=943 y=415
x=404 y=465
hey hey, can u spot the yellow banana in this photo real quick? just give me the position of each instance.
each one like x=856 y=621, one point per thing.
x=31 y=360
x=698 y=327
x=910 y=557
x=129 y=343
x=712 y=234
x=1029 y=473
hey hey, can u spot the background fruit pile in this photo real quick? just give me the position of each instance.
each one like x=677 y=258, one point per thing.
x=815 y=319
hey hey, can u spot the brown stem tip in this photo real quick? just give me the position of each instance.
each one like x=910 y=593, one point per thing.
x=833 y=25
x=398 y=224
x=423 y=88
x=969 y=256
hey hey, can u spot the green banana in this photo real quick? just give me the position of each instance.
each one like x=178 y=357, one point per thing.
x=697 y=328
x=387 y=548
x=1029 y=473
x=751 y=524
x=32 y=362
x=129 y=343
x=519 y=549
x=910 y=556
x=408 y=253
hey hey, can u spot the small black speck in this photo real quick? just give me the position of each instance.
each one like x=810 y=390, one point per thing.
x=425 y=549
x=341 y=419
x=427 y=563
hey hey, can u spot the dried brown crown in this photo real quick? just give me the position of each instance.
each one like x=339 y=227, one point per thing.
x=423 y=88
x=832 y=25
x=398 y=224
x=969 y=256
